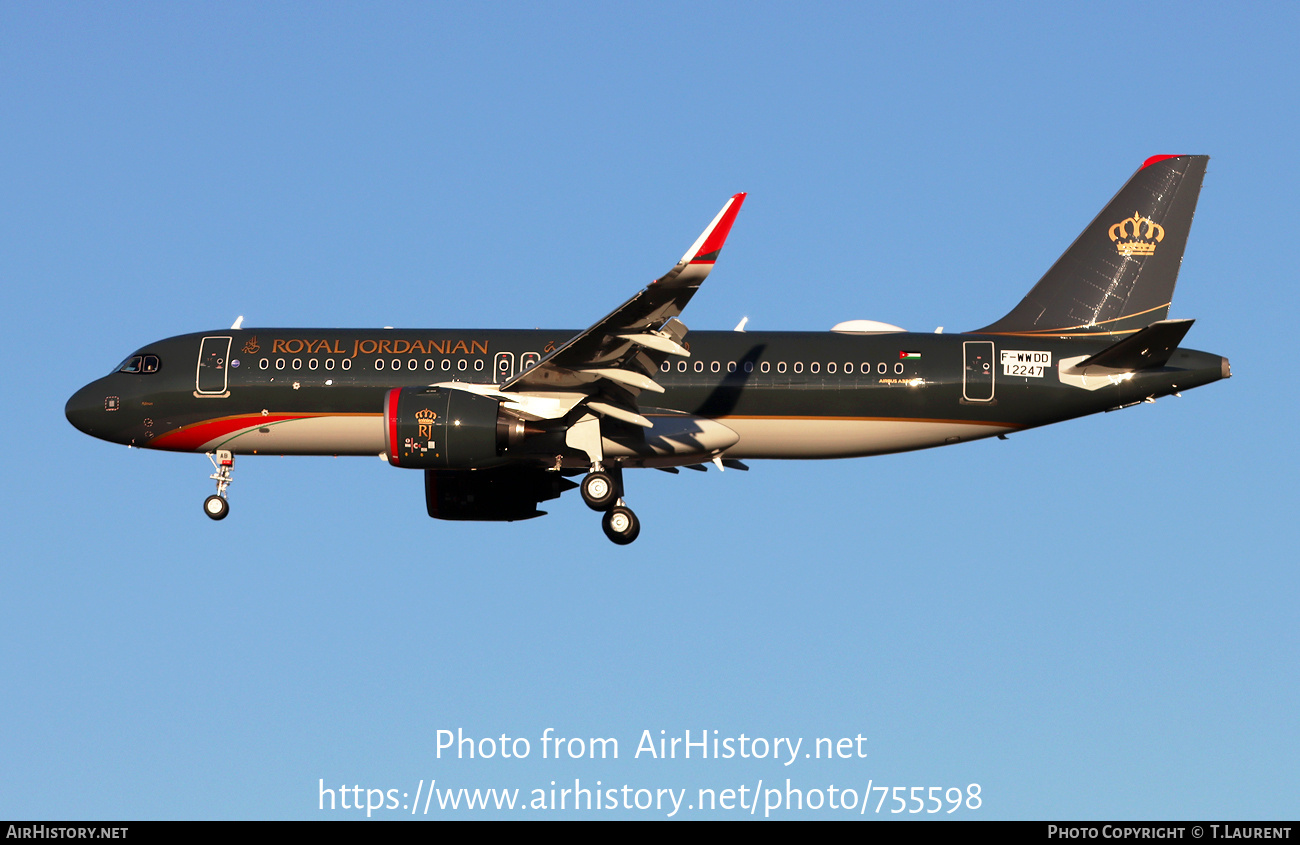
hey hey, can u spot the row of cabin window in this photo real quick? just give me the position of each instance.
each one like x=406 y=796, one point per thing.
x=766 y=366
x=413 y=364
x=463 y=364
x=312 y=363
x=346 y=364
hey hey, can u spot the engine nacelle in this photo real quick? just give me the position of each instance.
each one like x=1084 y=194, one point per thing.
x=503 y=494
x=437 y=428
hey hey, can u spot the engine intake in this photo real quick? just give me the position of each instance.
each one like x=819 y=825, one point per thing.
x=437 y=428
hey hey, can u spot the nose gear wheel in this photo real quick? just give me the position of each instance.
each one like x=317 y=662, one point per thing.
x=216 y=507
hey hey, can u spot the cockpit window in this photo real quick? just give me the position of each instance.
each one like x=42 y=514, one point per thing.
x=140 y=364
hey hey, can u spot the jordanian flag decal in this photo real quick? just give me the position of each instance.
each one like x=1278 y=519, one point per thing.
x=909 y=356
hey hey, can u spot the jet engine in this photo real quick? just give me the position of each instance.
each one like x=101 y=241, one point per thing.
x=502 y=494
x=438 y=428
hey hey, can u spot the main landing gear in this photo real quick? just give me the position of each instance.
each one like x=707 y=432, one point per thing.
x=602 y=490
x=599 y=490
x=620 y=524
x=216 y=507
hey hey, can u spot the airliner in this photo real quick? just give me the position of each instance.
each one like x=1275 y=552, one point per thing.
x=500 y=421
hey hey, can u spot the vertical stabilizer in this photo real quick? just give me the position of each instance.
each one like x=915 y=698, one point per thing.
x=1118 y=276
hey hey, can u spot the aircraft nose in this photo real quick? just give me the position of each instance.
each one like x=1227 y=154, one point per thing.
x=86 y=408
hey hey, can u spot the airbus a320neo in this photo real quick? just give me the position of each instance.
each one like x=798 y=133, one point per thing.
x=500 y=420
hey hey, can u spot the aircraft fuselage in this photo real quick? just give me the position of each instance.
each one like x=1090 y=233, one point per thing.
x=785 y=394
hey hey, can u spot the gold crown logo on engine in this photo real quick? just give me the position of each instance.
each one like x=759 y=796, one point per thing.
x=424 y=417
x=1136 y=235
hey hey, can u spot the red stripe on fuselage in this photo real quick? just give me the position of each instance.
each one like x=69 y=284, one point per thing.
x=191 y=437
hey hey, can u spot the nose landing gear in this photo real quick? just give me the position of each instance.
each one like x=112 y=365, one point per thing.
x=216 y=507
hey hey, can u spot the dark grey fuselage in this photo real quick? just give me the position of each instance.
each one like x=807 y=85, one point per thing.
x=785 y=394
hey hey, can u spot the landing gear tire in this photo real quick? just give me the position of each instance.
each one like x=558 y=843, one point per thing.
x=216 y=507
x=599 y=490
x=621 y=525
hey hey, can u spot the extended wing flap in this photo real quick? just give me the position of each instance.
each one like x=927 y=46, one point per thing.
x=605 y=409
x=627 y=378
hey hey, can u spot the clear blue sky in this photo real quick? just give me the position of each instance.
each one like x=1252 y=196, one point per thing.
x=1091 y=620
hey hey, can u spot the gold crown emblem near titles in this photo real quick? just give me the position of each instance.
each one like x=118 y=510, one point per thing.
x=1136 y=235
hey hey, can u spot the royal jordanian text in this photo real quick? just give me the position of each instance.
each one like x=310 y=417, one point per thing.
x=372 y=346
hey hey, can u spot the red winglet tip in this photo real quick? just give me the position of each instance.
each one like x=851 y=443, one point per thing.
x=1153 y=160
x=719 y=234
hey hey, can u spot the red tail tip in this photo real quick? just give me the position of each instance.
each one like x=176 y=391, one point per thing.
x=1153 y=160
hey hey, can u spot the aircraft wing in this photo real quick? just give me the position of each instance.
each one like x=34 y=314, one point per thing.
x=616 y=359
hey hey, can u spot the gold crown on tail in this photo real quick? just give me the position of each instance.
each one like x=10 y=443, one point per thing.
x=1137 y=235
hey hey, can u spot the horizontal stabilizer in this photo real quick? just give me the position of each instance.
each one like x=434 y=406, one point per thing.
x=1151 y=347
